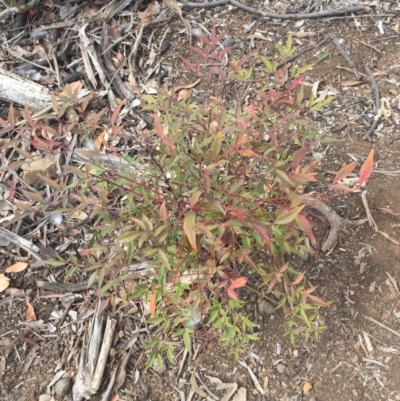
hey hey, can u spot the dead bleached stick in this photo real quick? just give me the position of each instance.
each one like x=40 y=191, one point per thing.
x=382 y=325
x=93 y=359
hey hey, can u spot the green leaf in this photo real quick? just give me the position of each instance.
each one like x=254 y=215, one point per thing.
x=129 y=236
x=289 y=215
x=164 y=259
x=304 y=69
x=320 y=105
x=281 y=302
x=55 y=263
x=303 y=315
x=194 y=198
x=216 y=145
x=137 y=293
x=188 y=228
x=270 y=68
x=324 y=54
x=187 y=341
x=289 y=42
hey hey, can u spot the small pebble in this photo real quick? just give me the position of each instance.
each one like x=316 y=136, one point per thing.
x=303 y=254
x=159 y=368
x=62 y=387
x=264 y=307
x=44 y=397
x=281 y=368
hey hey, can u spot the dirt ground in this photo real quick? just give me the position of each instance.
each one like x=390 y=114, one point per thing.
x=355 y=358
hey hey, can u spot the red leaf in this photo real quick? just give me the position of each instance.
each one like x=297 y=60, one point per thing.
x=30 y=312
x=298 y=279
x=305 y=226
x=317 y=300
x=116 y=112
x=262 y=232
x=299 y=155
x=389 y=210
x=241 y=216
x=232 y=294
x=301 y=177
x=344 y=172
x=366 y=169
x=239 y=282
x=296 y=83
x=252 y=110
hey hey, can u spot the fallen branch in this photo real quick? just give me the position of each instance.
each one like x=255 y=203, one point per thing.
x=347 y=58
x=7 y=237
x=320 y=14
x=377 y=103
x=337 y=223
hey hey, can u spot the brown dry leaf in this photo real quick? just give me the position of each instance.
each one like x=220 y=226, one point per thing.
x=178 y=88
x=101 y=140
x=351 y=82
x=113 y=32
x=48 y=18
x=322 y=96
x=173 y=7
x=196 y=387
x=119 y=59
x=39 y=49
x=184 y=94
x=96 y=7
x=281 y=75
x=15 y=292
x=314 y=88
x=30 y=312
x=144 y=18
x=46 y=80
x=307 y=387
x=153 y=8
x=32 y=169
x=17 y=267
x=385 y=107
x=148 y=15
x=4 y=282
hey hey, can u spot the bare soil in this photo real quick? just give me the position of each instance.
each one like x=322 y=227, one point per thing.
x=355 y=359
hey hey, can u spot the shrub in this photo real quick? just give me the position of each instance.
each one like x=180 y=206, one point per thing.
x=211 y=196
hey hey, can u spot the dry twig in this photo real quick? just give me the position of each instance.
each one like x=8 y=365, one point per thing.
x=377 y=103
x=347 y=58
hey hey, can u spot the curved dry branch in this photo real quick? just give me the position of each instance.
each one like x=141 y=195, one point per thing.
x=251 y=10
x=337 y=223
